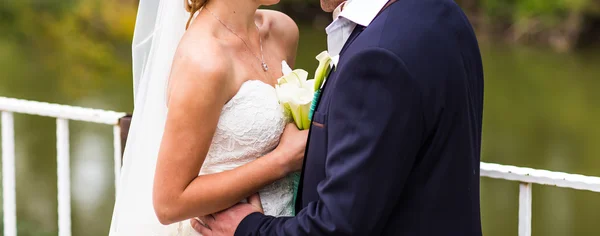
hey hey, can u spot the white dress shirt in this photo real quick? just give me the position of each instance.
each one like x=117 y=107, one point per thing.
x=345 y=17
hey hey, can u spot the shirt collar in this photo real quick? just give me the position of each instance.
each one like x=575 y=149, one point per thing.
x=361 y=12
x=338 y=9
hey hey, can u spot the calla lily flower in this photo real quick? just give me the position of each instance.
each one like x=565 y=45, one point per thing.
x=295 y=93
x=323 y=69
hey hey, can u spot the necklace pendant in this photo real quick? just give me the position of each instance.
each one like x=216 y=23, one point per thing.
x=264 y=66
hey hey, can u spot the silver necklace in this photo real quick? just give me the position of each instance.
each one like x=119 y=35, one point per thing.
x=262 y=56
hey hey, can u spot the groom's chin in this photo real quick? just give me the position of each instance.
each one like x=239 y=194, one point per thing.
x=330 y=5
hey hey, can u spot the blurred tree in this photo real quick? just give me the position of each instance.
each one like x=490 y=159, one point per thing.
x=559 y=23
x=82 y=43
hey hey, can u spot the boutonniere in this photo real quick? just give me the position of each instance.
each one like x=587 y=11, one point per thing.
x=299 y=95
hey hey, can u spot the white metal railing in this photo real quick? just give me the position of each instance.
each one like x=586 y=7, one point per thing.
x=527 y=177
x=62 y=113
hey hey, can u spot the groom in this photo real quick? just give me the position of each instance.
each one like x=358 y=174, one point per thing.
x=395 y=140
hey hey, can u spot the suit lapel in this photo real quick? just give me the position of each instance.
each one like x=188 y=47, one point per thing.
x=298 y=204
x=355 y=33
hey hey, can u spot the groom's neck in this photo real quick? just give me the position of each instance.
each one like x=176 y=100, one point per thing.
x=236 y=14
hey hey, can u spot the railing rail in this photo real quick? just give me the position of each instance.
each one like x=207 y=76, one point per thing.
x=525 y=176
x=60 y=111
x=543 y=177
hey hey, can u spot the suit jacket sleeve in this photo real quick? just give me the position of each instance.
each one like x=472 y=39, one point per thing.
x=375 y=129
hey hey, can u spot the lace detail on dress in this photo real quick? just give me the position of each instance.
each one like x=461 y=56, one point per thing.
x=249 y=127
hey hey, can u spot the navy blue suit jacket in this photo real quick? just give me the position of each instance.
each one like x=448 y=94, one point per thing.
x=394 y=148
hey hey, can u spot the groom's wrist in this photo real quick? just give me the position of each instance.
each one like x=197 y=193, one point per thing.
x=250 y=224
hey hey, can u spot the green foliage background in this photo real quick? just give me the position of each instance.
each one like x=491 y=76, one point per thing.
x=84 y=39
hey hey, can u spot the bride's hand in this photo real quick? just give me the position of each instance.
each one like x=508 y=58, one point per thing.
x=291 y=147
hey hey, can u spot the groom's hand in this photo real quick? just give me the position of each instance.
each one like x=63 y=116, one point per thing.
x=227 y=221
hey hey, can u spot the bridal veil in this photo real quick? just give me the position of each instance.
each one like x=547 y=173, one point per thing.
x=159 y=27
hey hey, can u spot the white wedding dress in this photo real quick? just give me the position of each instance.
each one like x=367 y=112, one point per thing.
x=250 y=126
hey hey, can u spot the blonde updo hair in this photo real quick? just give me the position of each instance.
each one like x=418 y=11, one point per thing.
x=193 y=6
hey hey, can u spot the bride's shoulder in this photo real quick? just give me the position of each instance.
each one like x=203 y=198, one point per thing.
x=202 y=51
x=199 y=55
x=280 y=27
x=278 y=22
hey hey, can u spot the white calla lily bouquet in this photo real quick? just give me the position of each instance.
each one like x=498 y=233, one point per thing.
x=298 y=94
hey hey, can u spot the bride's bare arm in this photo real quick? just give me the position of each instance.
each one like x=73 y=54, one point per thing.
x=195 y=104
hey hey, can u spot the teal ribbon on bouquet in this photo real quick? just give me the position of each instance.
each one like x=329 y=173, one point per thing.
x=313 y=105
x=296 y=181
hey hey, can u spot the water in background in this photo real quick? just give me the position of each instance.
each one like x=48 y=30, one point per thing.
x=541 y=111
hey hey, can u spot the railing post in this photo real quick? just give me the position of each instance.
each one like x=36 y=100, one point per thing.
x=525 y=209
x=117 y=154
x=8 y=175
x=124 y=123
x=64 y=177
x=120 y=133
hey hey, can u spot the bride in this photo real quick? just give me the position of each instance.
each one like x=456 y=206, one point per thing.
x=205 y=111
